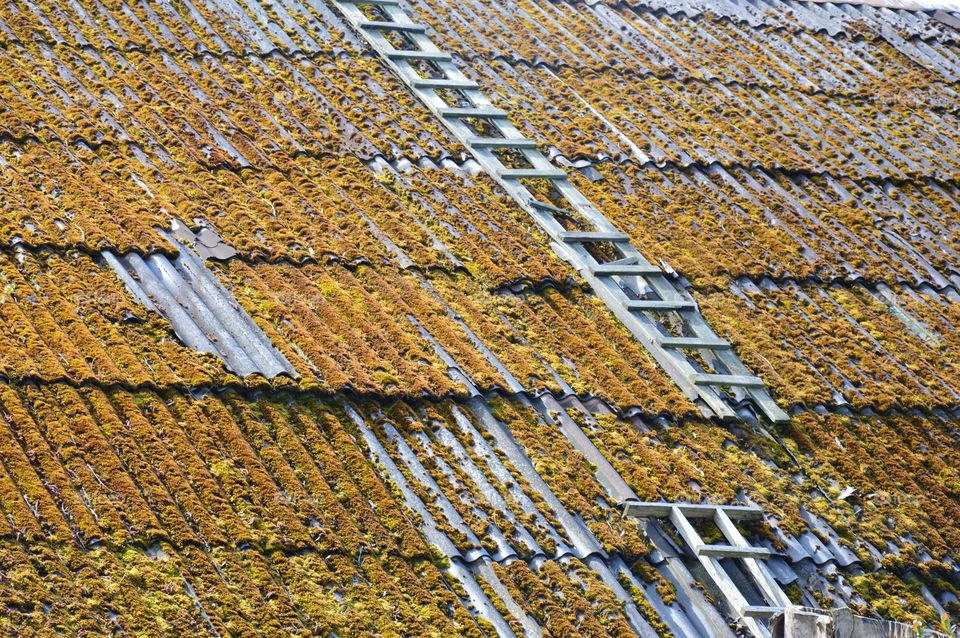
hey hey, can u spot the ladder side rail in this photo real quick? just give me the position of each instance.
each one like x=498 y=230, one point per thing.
x=758 y=570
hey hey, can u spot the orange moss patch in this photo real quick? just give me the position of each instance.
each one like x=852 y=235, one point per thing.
x=312 y=209
x=268 y=509
x=765 y=223
x=827 y=344
x=772 y=113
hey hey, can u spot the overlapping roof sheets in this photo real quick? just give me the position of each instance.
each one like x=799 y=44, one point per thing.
x=367 y=330
x=330 y=210
x=160 y=488
x=464 y=417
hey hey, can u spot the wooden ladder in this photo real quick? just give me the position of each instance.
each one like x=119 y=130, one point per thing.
x=709 y=555
x=637 y=291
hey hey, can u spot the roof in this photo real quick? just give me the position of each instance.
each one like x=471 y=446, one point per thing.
x=278 y=355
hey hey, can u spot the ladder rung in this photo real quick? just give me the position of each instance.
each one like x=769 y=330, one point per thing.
x=444 y=83
x=695 y=343
x=434 y=56
x=569 y=237
x=480 y=112
x=532 y=173
x=375 y=25
x=732 y=551
x=658 y=305
x=733 y=380
x=662 y=509
x=625 y=270
x=760 y=611
x=501 y=142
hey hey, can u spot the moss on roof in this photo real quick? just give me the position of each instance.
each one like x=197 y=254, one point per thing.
x=417 y=477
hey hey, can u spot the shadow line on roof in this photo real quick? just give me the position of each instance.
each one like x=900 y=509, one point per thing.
x=595 y=403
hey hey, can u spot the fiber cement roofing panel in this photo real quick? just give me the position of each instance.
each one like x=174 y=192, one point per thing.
x=316 y=209
x=466 y=417
x=287 y=477
x=863 y=346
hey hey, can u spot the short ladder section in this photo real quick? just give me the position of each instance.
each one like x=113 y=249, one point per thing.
x=638 y=292
x=709 y=555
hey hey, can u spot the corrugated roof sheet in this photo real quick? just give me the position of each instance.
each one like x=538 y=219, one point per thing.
x=461 y=418
x=204 y=315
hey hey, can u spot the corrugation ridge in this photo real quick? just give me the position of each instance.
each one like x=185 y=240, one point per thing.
x=836 y=282
x=225 y=165
x=518 y=285
x=592 y=159
x=301 y=549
